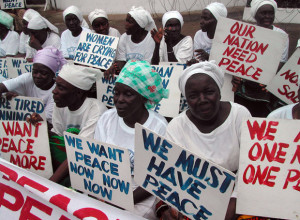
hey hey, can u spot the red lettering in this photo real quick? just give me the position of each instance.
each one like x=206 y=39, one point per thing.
x=36 y=132
x=230 y=39
x=251 y=59
x=289 y=95
x=8 y=130
x=61 y=201
x=264 y=177
x=269 y=155
x=232 y=66
x=29 y=203
x=9 y=172
x=259 y=130
x=33 y=184
x=297 y=138
x=19 y=200
x=242 y=55
x=292 y=78
x=280 y=153
x=250 y=31
x=292 y=176
x=224 y=61
x=296 y=155
x=228 y=51
x=251 y=175
x=90 y=212
x=257 y=73
x=258 y=153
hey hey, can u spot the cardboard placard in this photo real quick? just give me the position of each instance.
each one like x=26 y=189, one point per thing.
x=285 y=84
x=269 y=175
x=3 y=68
x=100 y=169
x=96 y=50
x=105 y=90
x=18 y=66
x=11 y=4
x=196 y=187
x=247 y=51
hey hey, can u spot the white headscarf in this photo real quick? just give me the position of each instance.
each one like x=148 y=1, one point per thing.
x=38 y=23
x=256 y=4
x=217 y=9
x=74 y=10
x=97 y=13
x=142 y=17
x=79 y=76
x=172 y=14
x=29 y=14
x=207 y=67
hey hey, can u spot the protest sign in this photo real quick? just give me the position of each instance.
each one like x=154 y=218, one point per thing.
x=3 y=68
x=96 y=50
x=247 y=51
x=11 y=4
x=196 y=187
x=100 y=169
x=105 y=90
x=285 y=84
x=18 y=66
x=52 y=200
x=269 y=175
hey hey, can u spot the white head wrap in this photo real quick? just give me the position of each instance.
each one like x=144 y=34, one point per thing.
x=6 y=20
x=256 y=4
x=142 y=17
x=29 y=14
x=97 y=13
x=79 y=76
x=207 y=67
x=38 y=23
x=172 y=14
x=74 y=10
x=217 y=9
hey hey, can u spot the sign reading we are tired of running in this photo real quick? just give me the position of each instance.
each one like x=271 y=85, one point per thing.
x=96 y=50
x=11 y=4
x=196 y=187
x=247 y=51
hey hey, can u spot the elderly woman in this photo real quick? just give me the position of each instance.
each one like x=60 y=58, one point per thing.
x=99 y=21
x=137 y=89
x=209 y=127
x=76 y=24
x=41 y=81
x=137 y=42
x=170 y=44
x=9 y=39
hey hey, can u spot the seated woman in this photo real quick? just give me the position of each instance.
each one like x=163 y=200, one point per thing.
x=170 y=44
x=137 y=42
x=209 y=127
x=42 y=34
x=133 y=97
x=9 y=40
x=41 y=81
x=99 y=21
x=76 y=24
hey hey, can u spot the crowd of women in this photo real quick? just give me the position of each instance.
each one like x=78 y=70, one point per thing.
x=210 y=127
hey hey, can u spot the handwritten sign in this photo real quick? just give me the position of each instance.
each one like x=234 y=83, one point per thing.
x=247 y=51
x=105 y=90
x=193 y=185
x=269 y=174
x=285 y=84
x=18 y=66
x=100 y=169
x=24 y=195
x=96 y=50
x=3 y=68
x=11 y=4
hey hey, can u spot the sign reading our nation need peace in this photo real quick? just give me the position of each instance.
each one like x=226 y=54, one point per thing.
x=247 y=51
x=193 y=185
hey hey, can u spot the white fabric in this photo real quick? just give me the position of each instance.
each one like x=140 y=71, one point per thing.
x=285 y=54
x=29 y=14
x=183 y=50
x=76 y=11
x=284 y=112
x=52 y=40
x=24 y=38
x=112 y=129
x=10 y=44
x=97 y=13
x=39 y=23
x=221 y=146
x=128 y=50
x=111 y=32
x=256 y=4
x=202 y=41
x=142 y=17
x=172 y=14
x=85 y=118
x=69 y=43
x=217 y=9
x=24 y=86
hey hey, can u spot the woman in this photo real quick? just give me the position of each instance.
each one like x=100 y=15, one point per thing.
x=137 y=42
x=170 y=44
x=42 y=34
x=76 y=24
x=137 y=89
x=9 y=39
x=209 y=127
x=99 y=21
x=41 y=81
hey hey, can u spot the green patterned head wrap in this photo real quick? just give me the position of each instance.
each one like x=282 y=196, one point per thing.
x=6 y=19
x=140 y=76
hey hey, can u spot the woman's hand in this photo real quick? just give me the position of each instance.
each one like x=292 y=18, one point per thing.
x=34 y=119
x=10 y=95
x=157 y=35
x=236 y=82
x=201 y=55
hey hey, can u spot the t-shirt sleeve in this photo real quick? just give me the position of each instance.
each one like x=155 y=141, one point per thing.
x=18 y=84
x=185 y=50
x=13 y=47
x=121 y=51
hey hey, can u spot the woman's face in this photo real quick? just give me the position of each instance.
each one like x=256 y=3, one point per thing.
x=265 y=16
x=203 y=96
x=24 y=27
x=131 y=25
x=43 y=76
x=72 y=22
x=207 y=21
x=127 y=101
x=3 y=31
x=40 y=35
x=173 y=28
x=101 y=26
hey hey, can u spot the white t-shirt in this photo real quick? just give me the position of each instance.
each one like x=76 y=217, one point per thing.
x=10 y=44
x=24 y=39
x=221 y=146
x=69 y=43
x=112 y=32
x=85 y=118
x=183 y=50
x=112 y=129
x=284 y=112
x=202 y=41
x=285 y=53
x=128 y=50
x=24 y=86
x=52 y=40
